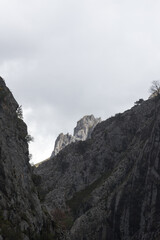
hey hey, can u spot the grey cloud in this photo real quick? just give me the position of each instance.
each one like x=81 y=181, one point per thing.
x=65 y=59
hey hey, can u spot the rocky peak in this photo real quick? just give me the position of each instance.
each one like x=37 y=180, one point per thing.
x=85 y=127
x=62 y=141
x=111 y=182
x=82 y=132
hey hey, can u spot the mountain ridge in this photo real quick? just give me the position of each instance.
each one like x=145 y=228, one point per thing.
x=82 y=131
x=104 y=188
x=110 y=183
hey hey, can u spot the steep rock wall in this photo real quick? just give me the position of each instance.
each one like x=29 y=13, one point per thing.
x=21 y=214
x=110 y=183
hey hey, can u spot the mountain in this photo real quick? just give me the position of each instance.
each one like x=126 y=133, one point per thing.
x=104 y=188
x=82 y=132
x=22 y=216
x=108 y=187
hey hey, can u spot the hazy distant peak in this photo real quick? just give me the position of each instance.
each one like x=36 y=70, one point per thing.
x=82 y=131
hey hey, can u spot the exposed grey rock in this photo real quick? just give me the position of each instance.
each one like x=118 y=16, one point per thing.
x=85 y=127
x=21 y=213
x=61 y=142
x=110 y=183
x=82 y=132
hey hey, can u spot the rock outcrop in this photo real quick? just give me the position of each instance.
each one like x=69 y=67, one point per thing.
x=82 y=132
x=109 y=185
x=62 y=141
x=85 y=127
x=21 y=214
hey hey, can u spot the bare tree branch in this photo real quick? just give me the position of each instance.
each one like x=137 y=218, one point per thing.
x=155 y=88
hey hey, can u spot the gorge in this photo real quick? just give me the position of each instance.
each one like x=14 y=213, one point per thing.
x=106 y=187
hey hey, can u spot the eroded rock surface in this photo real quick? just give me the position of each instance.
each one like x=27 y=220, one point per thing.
x=62 y=141
x=82 y=132
x=110 y=184
x=21 y=214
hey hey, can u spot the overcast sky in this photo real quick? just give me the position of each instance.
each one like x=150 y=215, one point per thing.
x=64 y=59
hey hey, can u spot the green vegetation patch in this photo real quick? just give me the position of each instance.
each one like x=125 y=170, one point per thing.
x=83 y=195
x=7 y=230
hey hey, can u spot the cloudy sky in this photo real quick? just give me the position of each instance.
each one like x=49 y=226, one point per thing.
x=64 y=59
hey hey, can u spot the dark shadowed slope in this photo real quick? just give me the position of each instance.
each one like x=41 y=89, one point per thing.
x=110 y=184
x=21 y=214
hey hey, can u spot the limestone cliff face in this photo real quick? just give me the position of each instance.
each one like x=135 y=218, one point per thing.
x=62 y=141
x=110 y=184
x=85 y=127
x=21 y=214
x=82 y=132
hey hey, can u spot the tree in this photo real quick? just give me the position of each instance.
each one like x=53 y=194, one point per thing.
x=30 y=157
x=139 y=101
x=155 y=88
x=19 y=112
x=29 y=138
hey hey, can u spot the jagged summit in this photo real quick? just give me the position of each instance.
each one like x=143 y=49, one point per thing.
x=82 y=132
x=111 y=182
x=104 y=188
x=85 y=127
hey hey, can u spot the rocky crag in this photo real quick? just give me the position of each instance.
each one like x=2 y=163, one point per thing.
x=22 y=216
x=82 y=132
x=108 y=187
